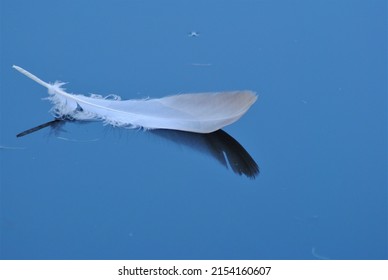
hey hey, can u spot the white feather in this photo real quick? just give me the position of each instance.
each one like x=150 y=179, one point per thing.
x=197 y=112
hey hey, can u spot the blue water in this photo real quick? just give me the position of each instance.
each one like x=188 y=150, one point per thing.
x=318 y=131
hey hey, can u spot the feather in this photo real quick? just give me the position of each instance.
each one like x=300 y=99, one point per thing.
x=200 y=112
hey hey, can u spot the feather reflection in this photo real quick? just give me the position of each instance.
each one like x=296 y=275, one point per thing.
x=218 y=144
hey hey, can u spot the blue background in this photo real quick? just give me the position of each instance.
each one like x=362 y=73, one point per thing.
x=318 y=131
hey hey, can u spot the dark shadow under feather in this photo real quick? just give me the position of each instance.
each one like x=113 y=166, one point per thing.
x=218 y=144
